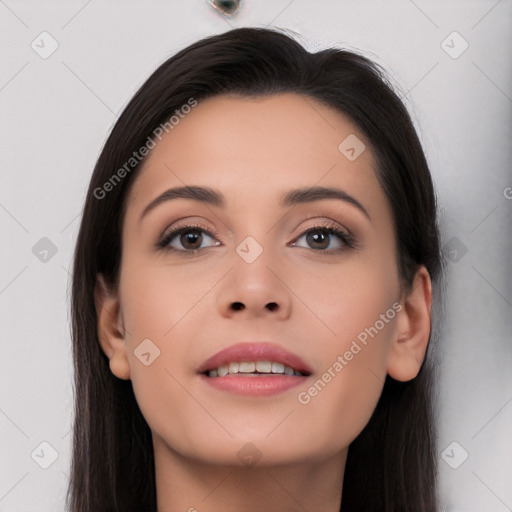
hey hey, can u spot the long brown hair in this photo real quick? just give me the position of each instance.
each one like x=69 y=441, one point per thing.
x=391 y=465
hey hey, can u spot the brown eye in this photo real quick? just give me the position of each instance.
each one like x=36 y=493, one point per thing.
x=325 y=238
x=191 y=239
x=187 y=239
x=318 y=239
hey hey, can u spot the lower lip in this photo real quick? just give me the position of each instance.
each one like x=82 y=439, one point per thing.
x=254 y=386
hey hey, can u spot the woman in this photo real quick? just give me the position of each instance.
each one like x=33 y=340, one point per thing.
x=252 y=291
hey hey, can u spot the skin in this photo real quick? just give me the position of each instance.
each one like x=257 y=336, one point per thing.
x=253 y=150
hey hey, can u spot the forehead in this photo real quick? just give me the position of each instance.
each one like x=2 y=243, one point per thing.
x=259 y=146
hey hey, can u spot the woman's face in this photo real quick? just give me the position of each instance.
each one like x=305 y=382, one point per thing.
x=256 y=266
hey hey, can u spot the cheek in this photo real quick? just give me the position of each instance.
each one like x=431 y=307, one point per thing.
x=339 y=402
x=157 y=297
x=357 y=322
x=163 y=305
x=345 y=299
x=158 y=305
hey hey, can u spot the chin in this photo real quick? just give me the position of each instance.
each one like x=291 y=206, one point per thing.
x=257 y=451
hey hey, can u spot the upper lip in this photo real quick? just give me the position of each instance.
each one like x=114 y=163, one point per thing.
x=258 y=351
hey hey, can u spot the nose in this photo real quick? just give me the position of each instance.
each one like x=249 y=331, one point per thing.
x=254 y=290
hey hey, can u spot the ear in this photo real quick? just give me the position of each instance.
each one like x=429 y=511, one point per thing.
x=413 y=325
x=110 y=328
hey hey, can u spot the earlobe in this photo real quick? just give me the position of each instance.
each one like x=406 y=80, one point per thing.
x=110 y=328
x=408 y=350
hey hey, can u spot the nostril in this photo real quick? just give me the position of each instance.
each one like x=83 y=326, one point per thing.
x=237 y=306
x=272 y=306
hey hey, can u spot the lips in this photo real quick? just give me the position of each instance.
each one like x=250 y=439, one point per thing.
x=254 y=370
x=253 y=358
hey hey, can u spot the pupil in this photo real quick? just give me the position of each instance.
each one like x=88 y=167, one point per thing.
x=320 y=239
x=191 y=239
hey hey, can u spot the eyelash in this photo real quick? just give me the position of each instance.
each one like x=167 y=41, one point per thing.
x=163 y=243
x=330 y=228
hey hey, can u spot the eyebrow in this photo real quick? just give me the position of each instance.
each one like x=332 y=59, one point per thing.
x=292 y=198
x=310 y=194
x=203 y=194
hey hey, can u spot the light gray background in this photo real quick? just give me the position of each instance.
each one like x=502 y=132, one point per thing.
x=55 y=116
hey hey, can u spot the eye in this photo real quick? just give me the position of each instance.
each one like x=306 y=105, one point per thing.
x=325 y=238
x=188 y=238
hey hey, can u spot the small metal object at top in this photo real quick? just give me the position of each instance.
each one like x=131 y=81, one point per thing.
x=226 y=7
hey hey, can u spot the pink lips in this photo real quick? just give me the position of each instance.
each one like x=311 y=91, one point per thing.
x=261 y=351
x=255 y=385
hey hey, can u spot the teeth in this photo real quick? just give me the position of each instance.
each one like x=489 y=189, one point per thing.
x=277 y=368
x=253 y=368
x=246 y=367
x=264 y=366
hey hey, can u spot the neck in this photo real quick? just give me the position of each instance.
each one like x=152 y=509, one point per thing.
x=185 y=485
